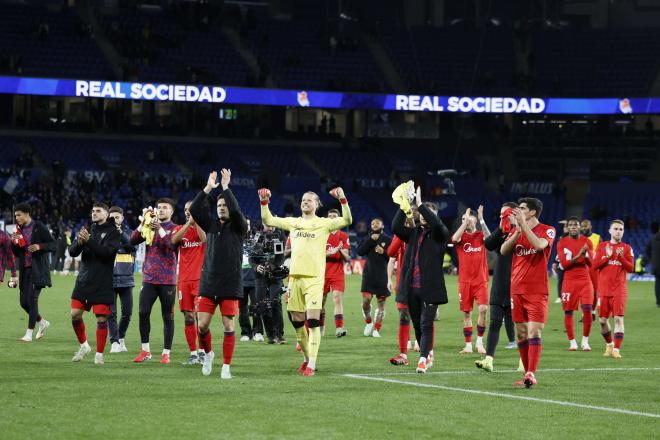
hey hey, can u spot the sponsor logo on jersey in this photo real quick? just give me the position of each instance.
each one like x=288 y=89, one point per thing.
x=190 y=244
x=467 y=247
x=522 y=251
x=303 y=234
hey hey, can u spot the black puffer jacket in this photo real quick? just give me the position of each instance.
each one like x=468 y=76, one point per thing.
x=94 y=282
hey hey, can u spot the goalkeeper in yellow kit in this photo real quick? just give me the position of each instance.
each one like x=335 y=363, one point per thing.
x=309 y=235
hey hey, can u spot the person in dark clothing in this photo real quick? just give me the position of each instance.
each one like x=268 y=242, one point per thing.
x=31 y=244
x=374 y=279
x=158 y=275
x=93 y=290
x=653 y=254
x=422 y=286
x=500 y=295
x=247 y=306
x=269 y=291
x=63 y=242
x=556 y=267
x=221 y=284
x=122 y=282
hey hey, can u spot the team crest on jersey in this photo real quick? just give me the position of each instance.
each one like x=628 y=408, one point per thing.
x=103 y=235
x=303 y=99
x=551 y=233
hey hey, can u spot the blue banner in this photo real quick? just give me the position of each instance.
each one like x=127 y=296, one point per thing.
x=329 y=100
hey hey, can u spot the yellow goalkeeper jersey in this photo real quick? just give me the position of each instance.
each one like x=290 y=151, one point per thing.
x=308 y=239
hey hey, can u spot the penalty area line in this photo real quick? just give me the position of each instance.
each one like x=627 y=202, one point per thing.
x=476 y=371
x=504 y=395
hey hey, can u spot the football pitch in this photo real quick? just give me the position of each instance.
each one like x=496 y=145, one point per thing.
x=355 y=394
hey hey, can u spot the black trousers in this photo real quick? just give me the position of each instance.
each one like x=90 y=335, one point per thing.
x=498 y=314
x=247 y=309
x=269 y=307
x=125 y=295
x=560 y=281
x=29 y=296
x=422 y=316
x=149 y=293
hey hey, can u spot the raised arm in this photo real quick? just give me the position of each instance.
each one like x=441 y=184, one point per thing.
x=399 y=226
x=346 y=217
x=201 y=207
x=456 y=238
x=482 y=222
x=267 y=217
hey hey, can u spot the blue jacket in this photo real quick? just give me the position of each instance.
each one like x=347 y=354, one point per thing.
x=124 y=261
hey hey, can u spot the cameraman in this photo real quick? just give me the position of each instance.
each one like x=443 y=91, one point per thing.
x=247 y=306
x=269 y=287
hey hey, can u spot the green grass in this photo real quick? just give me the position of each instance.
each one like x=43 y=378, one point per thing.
x=44 y=395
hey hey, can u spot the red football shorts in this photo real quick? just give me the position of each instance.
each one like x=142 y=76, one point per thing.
x=228 y=307
x=188 y=298
x=576 y=292
x=593 y=274
x=612 y=306
x=529 y=308
x=97 y=309
x=469 y=293
x=334 y=283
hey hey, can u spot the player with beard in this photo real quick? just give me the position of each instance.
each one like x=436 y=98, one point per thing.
x=190 y=239
x=309 y=235
x=374 y=280
x=472 y=275
x=575 y=256
x=158 y=275
x=221 y=284
x=93 y=290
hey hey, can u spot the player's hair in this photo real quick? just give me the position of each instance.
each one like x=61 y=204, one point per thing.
x=23 y=207
x=379 y=219
x=116 y=208
x=473 y=213
x=585 y=220
x=573 y=219
x=532 y=204
x=617 y=221
x=101 y=205
x=333 y=211
x=432 y=206
x=167 y=200
x=188 y=201
x=316 y=197
x=513 y=205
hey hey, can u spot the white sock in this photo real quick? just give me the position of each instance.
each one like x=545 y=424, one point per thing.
x=121 y=341
x=166 y=351
x=585 y=339
x=480 y=340
x=193 y=353
x=28 y=333
x=403 y=355
x=145 y=347
x=85 y=344
x=311 y=364
x=611 y=344
x=572 y=342
x=42 y=323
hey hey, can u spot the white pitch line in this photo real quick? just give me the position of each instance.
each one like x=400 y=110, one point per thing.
x=506 y=396
x=476 y=371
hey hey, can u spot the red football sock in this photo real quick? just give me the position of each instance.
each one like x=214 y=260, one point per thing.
x=534 y=354
x=608 y=337
x=523 y=349
x=467 y=332
x=569 y=325
x=378 y=325
x=205 y=341
x=101 y=336
x=480 y=330
x=79 y=328
x=586 y=323
x=618 y=339
x=367 y=320
x=228 y=344
x=404 y=336
x=190 y=330
x=339 y=321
